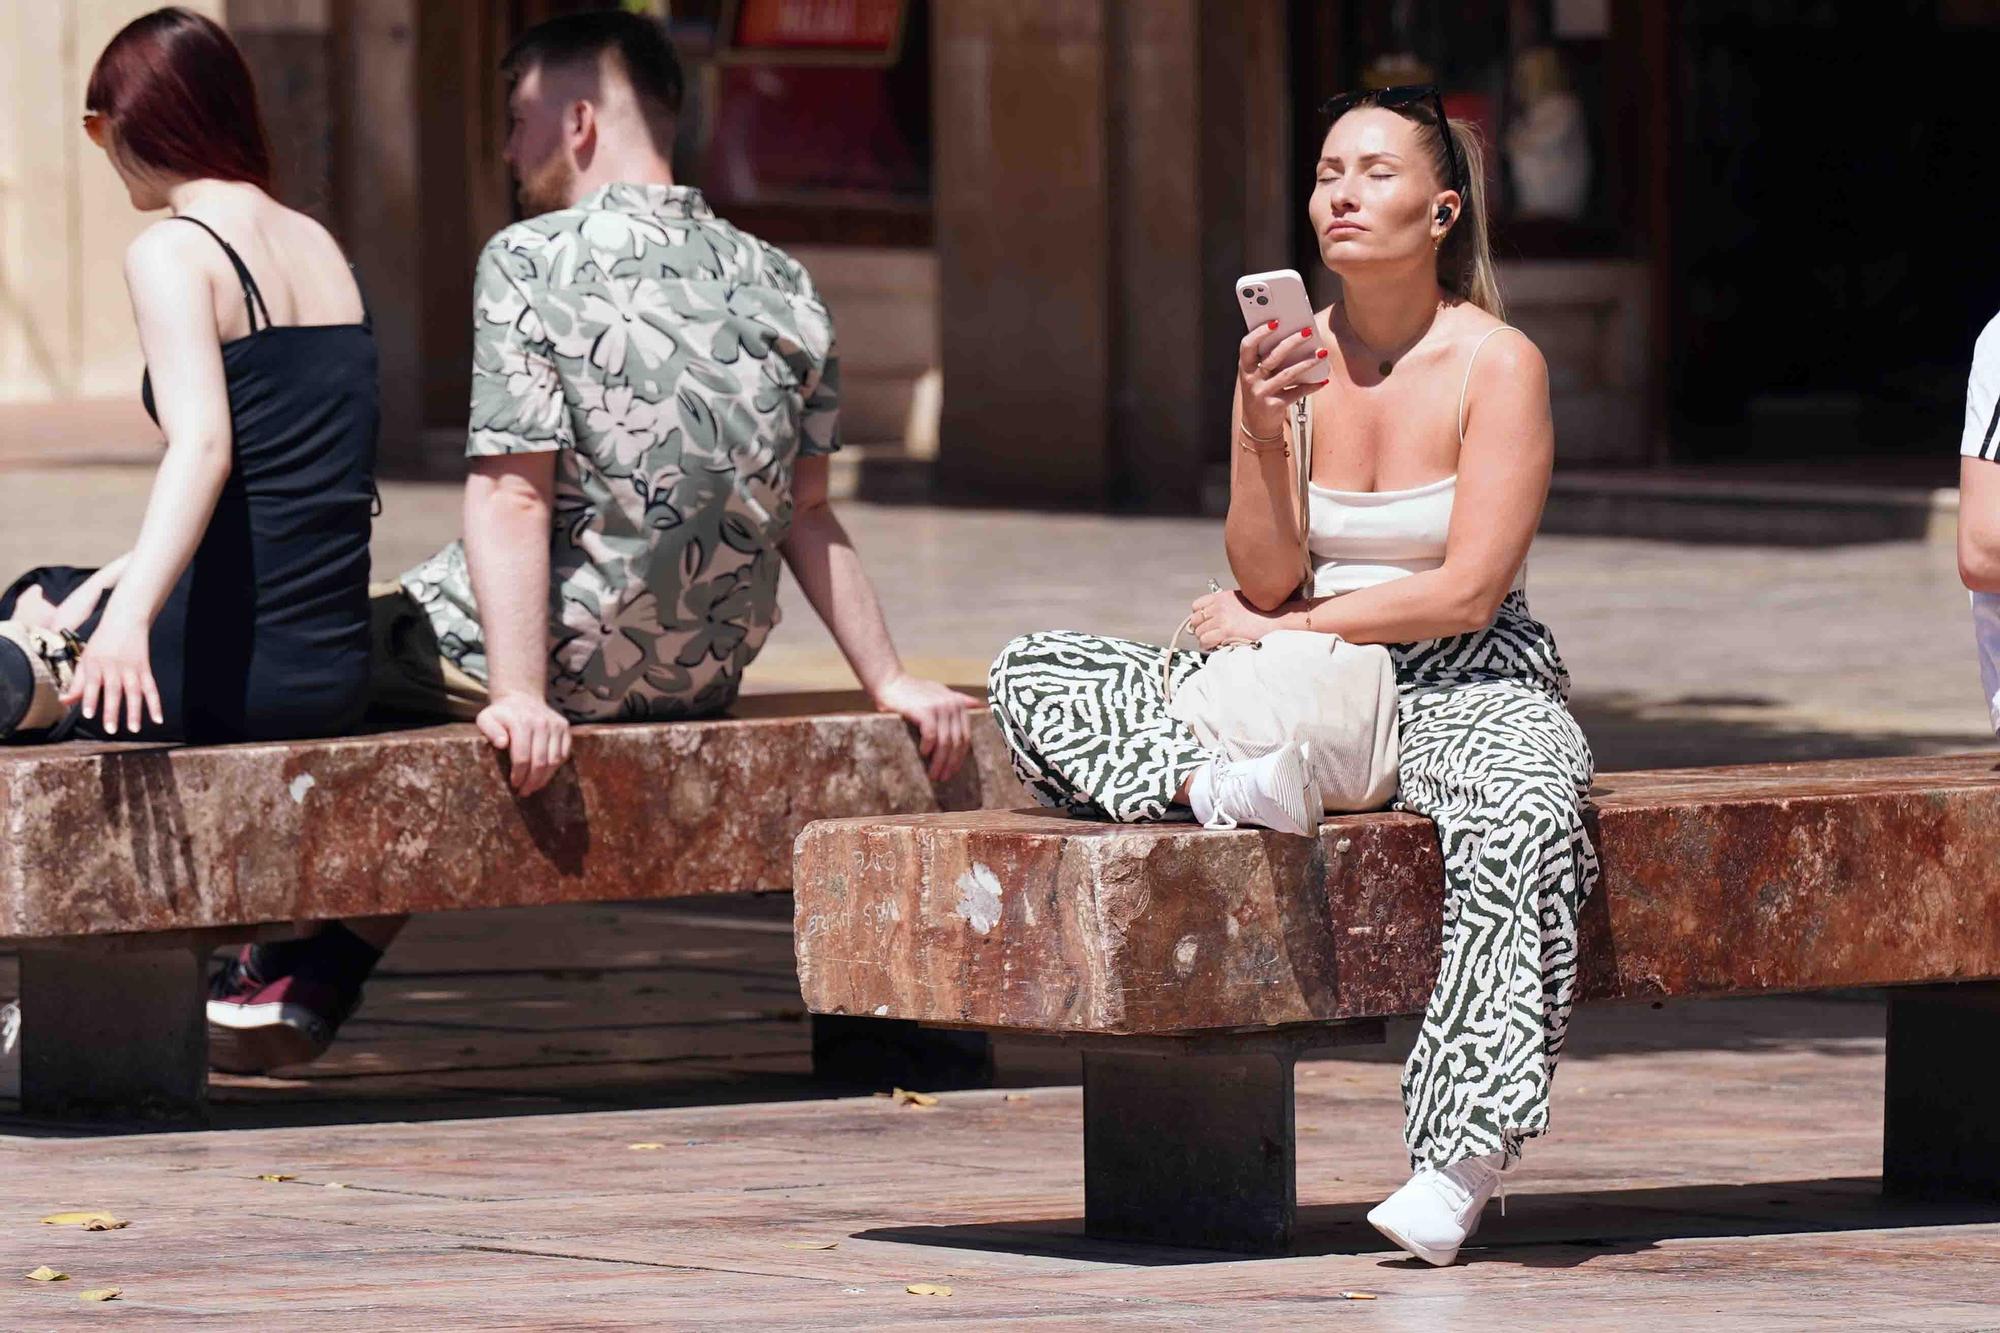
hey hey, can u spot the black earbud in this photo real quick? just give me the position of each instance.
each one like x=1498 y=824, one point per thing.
x=1444 y=215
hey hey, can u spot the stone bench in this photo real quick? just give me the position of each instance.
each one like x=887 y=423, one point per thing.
x=123 y=866
x=1193 y=967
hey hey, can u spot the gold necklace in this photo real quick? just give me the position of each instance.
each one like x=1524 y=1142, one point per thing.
x=1388 y=363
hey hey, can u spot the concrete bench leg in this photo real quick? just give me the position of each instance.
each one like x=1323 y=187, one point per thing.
x=1190 y=1149
x=115 y=1033
x=881 y=1053
x=1941 y=1129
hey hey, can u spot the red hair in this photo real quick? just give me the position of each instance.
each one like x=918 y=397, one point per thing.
x=177 y=92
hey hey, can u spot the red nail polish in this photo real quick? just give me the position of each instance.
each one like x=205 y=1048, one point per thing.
x=1321 y=354
x=1273 y=324
x=1305 y=333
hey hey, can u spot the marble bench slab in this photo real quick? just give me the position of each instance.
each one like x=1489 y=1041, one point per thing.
x=123 y=866
x=1715 y=881
x=1193 y=967
x=100 y=840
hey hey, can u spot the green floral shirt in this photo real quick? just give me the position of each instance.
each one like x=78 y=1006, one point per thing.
x=678 y=368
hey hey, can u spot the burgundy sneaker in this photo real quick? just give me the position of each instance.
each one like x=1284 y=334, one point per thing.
x=256 y=1025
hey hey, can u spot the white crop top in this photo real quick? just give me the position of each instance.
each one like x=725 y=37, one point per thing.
x=1361 y=538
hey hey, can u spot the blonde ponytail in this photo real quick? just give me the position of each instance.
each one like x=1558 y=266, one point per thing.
x=1465 y=259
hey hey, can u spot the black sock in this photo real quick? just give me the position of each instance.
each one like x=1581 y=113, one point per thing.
x=333 y=954
x=17 y=686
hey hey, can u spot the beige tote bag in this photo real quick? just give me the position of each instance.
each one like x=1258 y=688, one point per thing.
x=1298 y=685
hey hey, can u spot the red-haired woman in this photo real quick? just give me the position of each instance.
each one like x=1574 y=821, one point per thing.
x=241 y=611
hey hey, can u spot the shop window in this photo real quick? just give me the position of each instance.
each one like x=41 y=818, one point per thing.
x=1545 y=80
x=809 y=120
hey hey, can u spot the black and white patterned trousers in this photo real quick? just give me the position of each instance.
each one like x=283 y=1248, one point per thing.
x=1490 y=754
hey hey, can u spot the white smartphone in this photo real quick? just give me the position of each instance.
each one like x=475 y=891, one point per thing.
x=1281 y=295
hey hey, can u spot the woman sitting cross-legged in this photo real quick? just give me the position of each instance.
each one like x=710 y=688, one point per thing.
x=1431 y=449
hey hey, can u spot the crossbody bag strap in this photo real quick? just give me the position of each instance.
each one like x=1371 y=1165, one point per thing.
x=1167 y=662
x=1302 y=436
x=1302 y=480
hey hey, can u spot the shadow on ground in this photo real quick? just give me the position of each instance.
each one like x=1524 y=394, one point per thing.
x=572 y=1059
x=1553 y=1230
x=1627 y=732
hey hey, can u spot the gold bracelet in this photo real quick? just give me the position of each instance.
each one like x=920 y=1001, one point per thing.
x=1264 y=444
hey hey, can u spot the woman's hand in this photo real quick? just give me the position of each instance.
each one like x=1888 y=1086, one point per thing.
x=1266 y=392
x=116 y=675
x=1225 y=617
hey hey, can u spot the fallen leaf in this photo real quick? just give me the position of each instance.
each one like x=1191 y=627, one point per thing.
x=904 y=1097
x=1017 y=1096
x=812 y=1245
x=101 y=1294
x=83 y=1219
x=1358 y=1296
x=47 y=1274
x=927 y=1289
x=645 y=1147
x=276 y=1177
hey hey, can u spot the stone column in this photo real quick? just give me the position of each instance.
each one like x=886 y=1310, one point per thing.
x=1023 y=236
x=418 y=122
x=1103 y=173
x=288 y=46
x=375 y=136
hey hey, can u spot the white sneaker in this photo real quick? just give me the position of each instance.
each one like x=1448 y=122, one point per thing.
x=1276 y=791
x=1432 y=1215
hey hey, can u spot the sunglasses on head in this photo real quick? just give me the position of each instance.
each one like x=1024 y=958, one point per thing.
x=1400 y=98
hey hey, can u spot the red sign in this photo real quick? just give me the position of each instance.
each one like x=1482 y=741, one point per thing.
x=830 y=27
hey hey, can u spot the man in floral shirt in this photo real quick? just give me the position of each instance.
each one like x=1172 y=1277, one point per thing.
x=676 y=371
x=654 y=396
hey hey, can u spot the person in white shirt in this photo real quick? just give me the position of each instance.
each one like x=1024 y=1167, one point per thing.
x=1979 y=508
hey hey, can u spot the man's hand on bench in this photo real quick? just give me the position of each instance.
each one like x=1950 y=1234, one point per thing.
x=534 y=736
x=941 y=716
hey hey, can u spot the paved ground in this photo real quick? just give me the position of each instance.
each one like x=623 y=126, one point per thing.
x=1713 y=1165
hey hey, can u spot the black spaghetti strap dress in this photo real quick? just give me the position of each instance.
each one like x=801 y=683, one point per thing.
x=266 y=635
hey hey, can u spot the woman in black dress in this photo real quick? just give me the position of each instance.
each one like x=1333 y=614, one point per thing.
x=241 y=611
